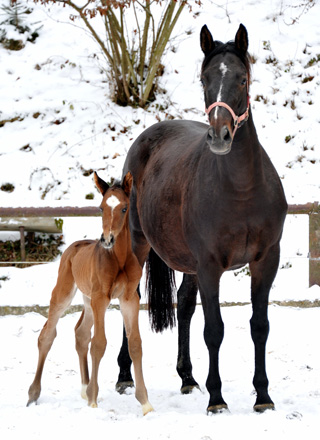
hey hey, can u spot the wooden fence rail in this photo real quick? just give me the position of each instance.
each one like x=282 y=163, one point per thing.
x=311 y=209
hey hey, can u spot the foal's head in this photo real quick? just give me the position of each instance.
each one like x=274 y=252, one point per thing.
x=114 y=207
x=225 y=76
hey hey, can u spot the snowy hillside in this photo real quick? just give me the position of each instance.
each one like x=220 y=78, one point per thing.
x=61 y=124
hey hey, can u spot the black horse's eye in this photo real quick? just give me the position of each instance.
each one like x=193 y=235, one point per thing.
x=244 y=82
x=202 y=82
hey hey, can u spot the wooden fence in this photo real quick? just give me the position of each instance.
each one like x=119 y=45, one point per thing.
x=310 y=209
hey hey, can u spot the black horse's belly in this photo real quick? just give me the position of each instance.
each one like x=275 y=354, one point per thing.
x=159 y=161
x=162 y=224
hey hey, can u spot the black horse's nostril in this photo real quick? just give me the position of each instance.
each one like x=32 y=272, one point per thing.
x=225 y=134
x=211 y=133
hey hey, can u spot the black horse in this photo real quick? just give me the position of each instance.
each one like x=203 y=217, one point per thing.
x=206 y=199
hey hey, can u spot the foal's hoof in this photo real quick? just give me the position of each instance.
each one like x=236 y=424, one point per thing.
x=146 y=408
x=30 y=401
x=34 y=393
x=217 y=409
x=262 y=407
x=122 y=386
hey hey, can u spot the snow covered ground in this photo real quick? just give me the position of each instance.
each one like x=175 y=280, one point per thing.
x=63 y=124
x=293 y=365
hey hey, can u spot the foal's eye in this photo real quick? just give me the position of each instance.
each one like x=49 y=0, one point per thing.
x=124 y=210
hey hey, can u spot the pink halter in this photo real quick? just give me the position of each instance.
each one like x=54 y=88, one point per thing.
x=236 y=119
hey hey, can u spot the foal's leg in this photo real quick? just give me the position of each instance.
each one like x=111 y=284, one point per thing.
x=83 y=337
x=130 y=310
x=124 y=361
x=141 y=249
x=99 y=304
x=262 y=276
x=187 y=296
x=61 y=298
x=208 y=278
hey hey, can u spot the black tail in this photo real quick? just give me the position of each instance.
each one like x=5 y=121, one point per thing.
x=160 y=286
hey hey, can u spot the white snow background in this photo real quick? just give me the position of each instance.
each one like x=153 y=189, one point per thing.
x=66 y=124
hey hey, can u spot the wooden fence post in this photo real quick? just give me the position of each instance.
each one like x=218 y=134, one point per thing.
x=314 y=248
x=22 y=244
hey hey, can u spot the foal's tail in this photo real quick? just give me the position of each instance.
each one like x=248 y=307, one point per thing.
x=160 y=288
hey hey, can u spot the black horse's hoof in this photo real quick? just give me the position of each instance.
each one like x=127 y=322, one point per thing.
x=217 y=409
x=187 y=389
x=121 y=387
x=262 y=407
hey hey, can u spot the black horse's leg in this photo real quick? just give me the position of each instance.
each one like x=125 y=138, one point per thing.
x=187 y=296
x=262 y=275
x=124 y=361
x=208 y=278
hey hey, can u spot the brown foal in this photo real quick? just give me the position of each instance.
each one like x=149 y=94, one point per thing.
x=102 y=270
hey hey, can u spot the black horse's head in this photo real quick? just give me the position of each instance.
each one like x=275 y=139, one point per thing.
x=225 y=76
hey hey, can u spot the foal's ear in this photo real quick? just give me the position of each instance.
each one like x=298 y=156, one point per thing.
x=206 y=41
x=241 y=40
x=127 y=183
x=100 y=184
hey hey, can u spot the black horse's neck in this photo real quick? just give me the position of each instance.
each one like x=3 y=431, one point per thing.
x=241 y=169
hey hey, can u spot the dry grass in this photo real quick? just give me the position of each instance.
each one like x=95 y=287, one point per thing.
x=40 y=248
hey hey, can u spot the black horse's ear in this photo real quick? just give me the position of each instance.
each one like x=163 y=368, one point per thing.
x=127 y=183
x=206 y=41
x=100 y=184
x=241 y=40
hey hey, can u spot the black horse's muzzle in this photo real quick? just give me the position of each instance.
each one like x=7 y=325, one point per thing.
x=219 y=142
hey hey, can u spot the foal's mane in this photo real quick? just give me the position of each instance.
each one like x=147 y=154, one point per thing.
x=229 y=47
x=116 y=185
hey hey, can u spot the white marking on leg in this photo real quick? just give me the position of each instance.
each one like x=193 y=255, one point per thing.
x=223 y=69
x=84 y=392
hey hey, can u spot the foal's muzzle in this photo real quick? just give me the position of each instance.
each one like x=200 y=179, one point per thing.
x=219 y=142
x=107 y=243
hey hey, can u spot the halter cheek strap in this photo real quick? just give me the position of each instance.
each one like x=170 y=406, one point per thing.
x=237 y=120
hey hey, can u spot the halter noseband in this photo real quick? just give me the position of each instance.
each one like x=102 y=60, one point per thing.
x=236 y=119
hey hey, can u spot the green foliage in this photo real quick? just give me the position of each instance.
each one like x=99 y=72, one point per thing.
x=244 y=271
x=59 y=223
x=288 y=138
